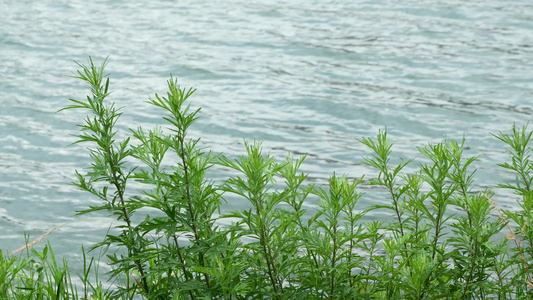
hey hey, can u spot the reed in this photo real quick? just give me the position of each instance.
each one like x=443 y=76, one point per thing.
x=275 y=248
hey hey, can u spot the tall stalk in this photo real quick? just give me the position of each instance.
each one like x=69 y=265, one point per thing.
x=264 y=222
x=435 y=174
x=108 y=164
x=387 y=174
x=521 y=166
x=181 y=120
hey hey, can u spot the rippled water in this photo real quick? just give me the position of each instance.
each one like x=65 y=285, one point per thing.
x=305 y=76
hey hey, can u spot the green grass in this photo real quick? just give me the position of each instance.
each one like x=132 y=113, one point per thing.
x=277 y=249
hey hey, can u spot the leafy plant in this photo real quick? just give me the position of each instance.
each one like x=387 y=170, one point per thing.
x=169 y=241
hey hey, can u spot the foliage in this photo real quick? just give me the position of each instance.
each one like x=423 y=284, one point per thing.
x=171 y=242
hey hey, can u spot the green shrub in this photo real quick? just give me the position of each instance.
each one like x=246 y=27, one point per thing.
x=276 y=248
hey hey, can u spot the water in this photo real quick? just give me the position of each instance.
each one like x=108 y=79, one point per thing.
x=305 y=76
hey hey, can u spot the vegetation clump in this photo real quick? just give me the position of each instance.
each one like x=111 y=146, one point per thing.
x=276 y=248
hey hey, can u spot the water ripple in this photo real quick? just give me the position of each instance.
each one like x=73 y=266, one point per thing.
x=305 y=76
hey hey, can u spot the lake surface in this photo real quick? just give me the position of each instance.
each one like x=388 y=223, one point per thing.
x=304 y=76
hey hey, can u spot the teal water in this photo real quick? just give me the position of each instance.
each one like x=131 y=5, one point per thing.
x=305 y=76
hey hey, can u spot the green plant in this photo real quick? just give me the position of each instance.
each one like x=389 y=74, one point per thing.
x=292 y=240
x=40 y=276
x=521 y=166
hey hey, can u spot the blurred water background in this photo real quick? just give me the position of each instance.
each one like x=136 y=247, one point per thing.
x=304 y=76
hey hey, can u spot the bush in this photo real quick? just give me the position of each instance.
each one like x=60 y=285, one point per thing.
x=277 y=249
